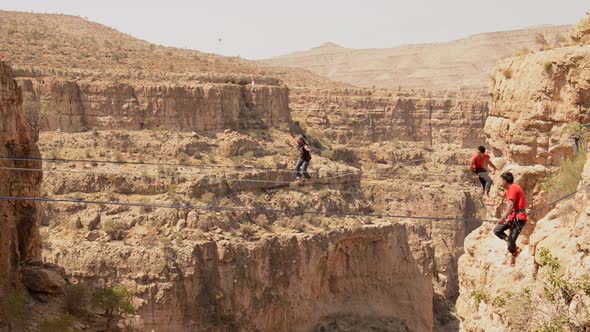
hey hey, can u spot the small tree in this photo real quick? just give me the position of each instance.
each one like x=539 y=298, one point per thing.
x=115 y=301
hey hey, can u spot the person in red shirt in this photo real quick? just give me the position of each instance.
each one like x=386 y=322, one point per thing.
x=479 y=163
x=514 y=216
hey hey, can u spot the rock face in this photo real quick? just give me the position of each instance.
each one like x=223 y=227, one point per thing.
x=533 y=99
x=531 y=107
x=352 y=117
x=283 y=283
x=75 y=106
x=457 y=65
x=19 y=229
x=581 y=32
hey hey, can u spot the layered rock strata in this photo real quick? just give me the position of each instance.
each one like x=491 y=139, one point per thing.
x=19 y=232
x=354 y=117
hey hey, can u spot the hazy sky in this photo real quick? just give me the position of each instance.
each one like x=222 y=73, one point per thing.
x=263 y=28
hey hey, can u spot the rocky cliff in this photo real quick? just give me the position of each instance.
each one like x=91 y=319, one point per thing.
x=78 y=105
x=357 y=116
x=19 y=221
x=534 y=98
x=280 y=283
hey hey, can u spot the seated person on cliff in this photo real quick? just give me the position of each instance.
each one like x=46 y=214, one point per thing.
x=479 y=166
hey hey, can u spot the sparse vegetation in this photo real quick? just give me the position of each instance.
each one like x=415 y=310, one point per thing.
x=115 y=302
x=567 y=178
x=247 y=230
x=478 y=296
x=13 y=309
x=114 y=229
x=76 y=298
x=208 y=197
x=523 y=51
x=547 y=66
x=60 y=323
x=182 y=158
x=54 y=154
x=550 y=310
x=248 y=155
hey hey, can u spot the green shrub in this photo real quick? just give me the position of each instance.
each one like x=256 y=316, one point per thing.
x=172 y=189
x=61 y=323
x=550 y=310
x=479 y=297
x=115 y=302
x=248 y=155
x=114 y=229
x=182 y=158
x=568 y=176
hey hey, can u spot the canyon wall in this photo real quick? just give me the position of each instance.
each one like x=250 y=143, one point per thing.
x=78 y=105
x=349 y=116
x=281 y=283
x=534 y=99
x=19 y=233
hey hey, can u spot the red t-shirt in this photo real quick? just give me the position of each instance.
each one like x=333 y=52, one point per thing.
x=516 y=194
x=479 y=162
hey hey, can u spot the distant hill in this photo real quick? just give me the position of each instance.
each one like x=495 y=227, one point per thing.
x=53 y=44
x=460 y=64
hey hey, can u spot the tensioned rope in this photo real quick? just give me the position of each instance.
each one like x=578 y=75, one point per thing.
x=186 y=176
x=282 y=211
x=236 y=167
x=233 y=209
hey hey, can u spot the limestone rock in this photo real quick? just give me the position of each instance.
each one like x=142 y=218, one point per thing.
x=92 y=235
x=42 y=279
x=580 y=32
x=19 y=226
x=94 y=222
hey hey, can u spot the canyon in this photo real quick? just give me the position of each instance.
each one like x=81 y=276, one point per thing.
x=195 y=211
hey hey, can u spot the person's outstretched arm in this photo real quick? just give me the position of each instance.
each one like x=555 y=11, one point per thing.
x=493 y=166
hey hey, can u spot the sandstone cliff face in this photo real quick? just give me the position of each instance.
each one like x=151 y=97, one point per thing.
x=281 y=283
x=581 y=32
x=354 y=117
x=533 y=99
x=76 y=106
x=489 y=286
x=19 y=233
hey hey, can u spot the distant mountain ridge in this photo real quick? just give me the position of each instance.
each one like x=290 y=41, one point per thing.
x=462 y=64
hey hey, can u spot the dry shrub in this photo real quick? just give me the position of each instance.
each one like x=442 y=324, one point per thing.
x=76 y=298
x=247 y=230
x=114 y=229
